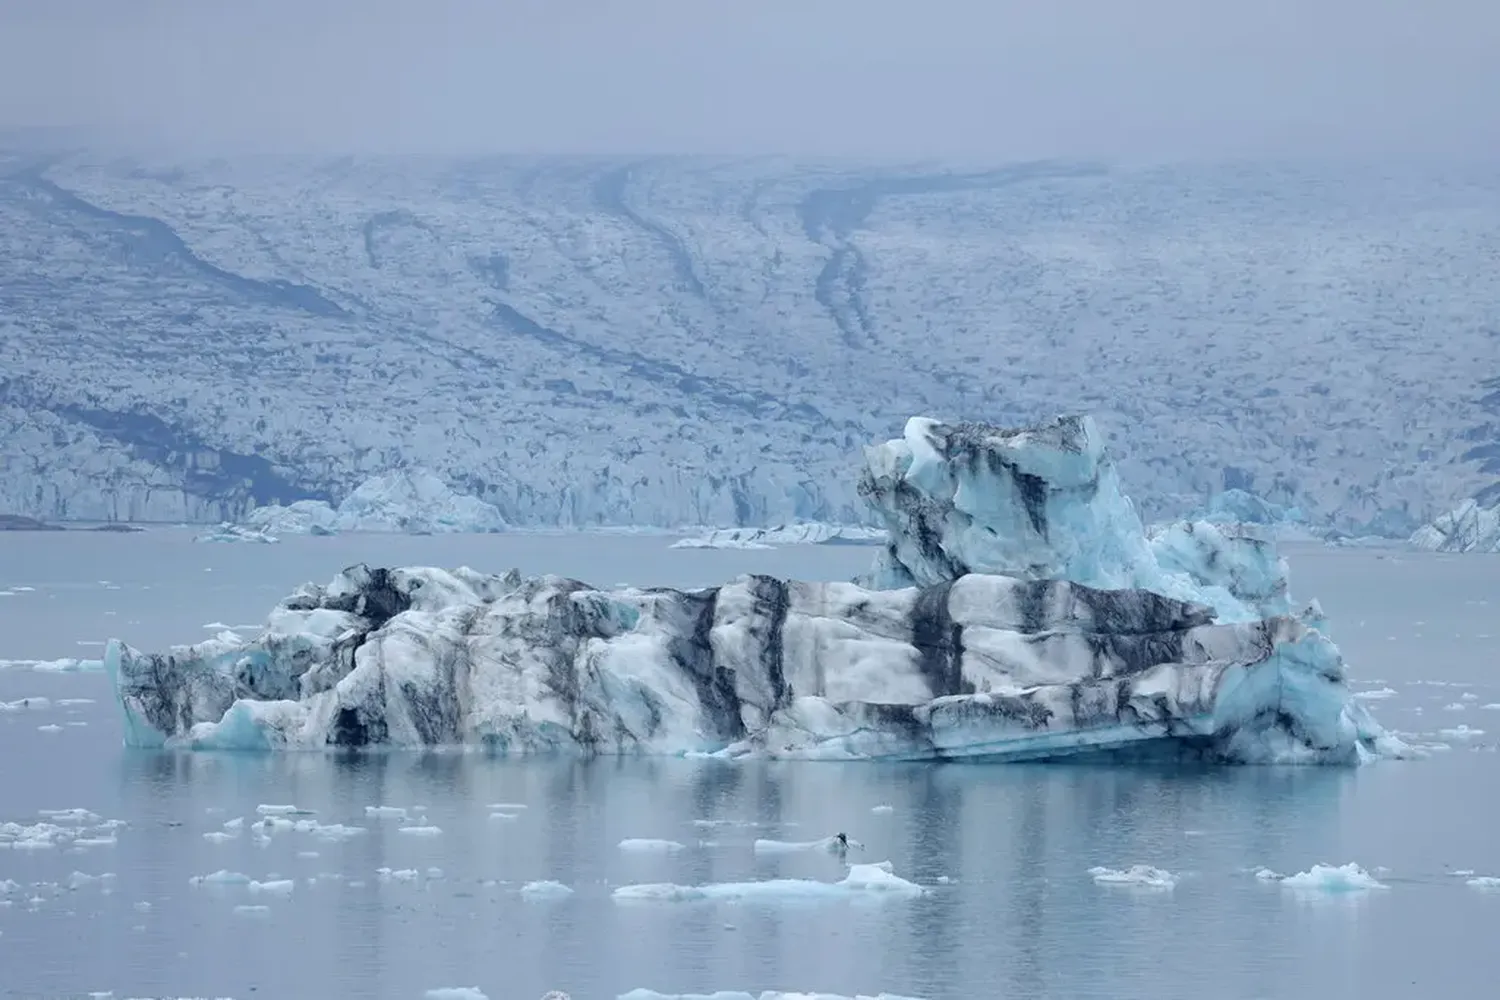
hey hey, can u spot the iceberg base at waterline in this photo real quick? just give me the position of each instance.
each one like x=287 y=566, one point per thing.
x=986 y=668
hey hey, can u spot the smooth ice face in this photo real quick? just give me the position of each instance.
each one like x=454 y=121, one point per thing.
x=981 y=668
x=406 y=500
x=1470 y=527
x=1044 y=503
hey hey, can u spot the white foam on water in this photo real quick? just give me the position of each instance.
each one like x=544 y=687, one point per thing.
x=643 y=845
x=1142 y=876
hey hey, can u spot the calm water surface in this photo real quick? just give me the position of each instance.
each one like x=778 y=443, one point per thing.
x=1012 y=911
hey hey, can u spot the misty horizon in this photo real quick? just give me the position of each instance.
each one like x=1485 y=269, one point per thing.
x=1159 y=79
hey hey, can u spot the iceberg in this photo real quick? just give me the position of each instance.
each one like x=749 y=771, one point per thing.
x=1237 y=506
x=811 y=533
x=1018 y=611
x=227 y=532
x=414 y=501
x=1471 y=527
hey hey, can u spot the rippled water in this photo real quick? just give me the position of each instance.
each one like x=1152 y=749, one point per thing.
x=1003 y=852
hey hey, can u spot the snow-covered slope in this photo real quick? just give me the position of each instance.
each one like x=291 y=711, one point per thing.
x=406 y=500
x=966 y=665
x=1471 y=527
x=704 y=342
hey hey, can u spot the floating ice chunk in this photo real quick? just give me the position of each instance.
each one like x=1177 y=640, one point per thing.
x=227 y=532
x=830 y=845
x=74 y=815
x=545 y=889
x=420 y=831
x=67 y=665
x=811 y=533
x=386 y=812
x=506 y=806
x=503 y=817
x=335 y=831
x=434 y=873
x=32 y=704
x=1461 y=733
x=1145 y=876
x=1330 y=878
x=396 y=874
x=876 y=879
x=642 y=994
x=455 y=993
x=1456 y=706
x=648 y=846
x=252 y=910
x=1484 y=882
x=1377 y=694
x=277 y=887
x=78 y=880
x=221 y=877
x=219 y=837
x=273 y=810
x=50 y=727
x=1267 y=875
x=882 y=810
x=1493 y=706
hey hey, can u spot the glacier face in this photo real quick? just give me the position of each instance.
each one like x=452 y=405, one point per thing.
x=982 y=641
x=672 y=342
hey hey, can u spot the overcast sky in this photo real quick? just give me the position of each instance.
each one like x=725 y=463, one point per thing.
x=908 y=78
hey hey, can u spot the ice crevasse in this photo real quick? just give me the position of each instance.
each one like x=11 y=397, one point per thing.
x=1017 y=611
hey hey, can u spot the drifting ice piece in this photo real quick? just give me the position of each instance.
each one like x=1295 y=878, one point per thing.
x=1096 y=639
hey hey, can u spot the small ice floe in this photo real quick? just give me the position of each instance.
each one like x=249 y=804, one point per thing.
x=1461 y=733
x=74 y=815
x=73 y=702
x=252 y=910
x=307 y=854
x=331 y=831
x=396 y=874
x=455 y=993
x=1333 y=878
x=32 y=704
x=221 y=877
x=1142 y=876
x=235 y=824
x=1377 y=694
x=274 y=810
x=50 y=727
x=78 y=880
x=1492 y=706
x=420 y=831
x=506 y=806
x=386 y=812
x=273 y=887
x=67 y=665
x=1483 y=882
x=220 y=836
x=545 y=889
x=643 y=845
x=837 y=844
x=871 y=880
x=712 y=823
x=1468 y=696
x=1456 y=706
x=882 y=810
x=501 y=817
x=434 y=873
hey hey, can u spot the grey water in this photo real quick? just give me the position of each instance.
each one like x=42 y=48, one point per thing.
x=1004 y=850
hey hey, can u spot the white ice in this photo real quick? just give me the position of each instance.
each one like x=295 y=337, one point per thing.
x=828 y=845
x=414 y=501
x=812 y=533
x=455 y=993
x=545 y=889
x=1144 y=876
x=1333 y=878
x=869 y=879
x=637 y=845
x=1470 y=527
x=644 y=994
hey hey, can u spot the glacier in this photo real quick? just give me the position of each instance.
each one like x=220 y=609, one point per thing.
x=1067 y=636
x=1470 y=527
x=687 y=341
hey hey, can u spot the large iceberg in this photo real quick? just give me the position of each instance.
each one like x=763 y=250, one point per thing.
x=414 y=501
x=1471 y=527
x=1021 y=614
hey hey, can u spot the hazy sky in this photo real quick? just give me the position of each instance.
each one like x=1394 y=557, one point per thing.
x=988 y=78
